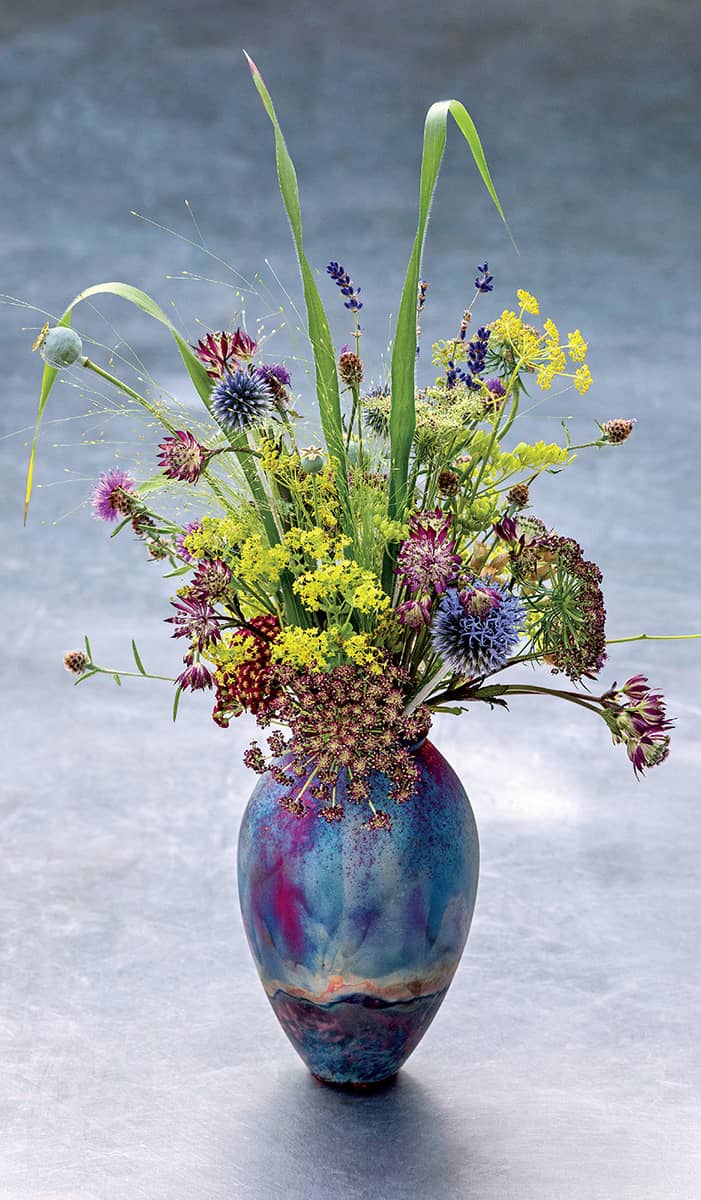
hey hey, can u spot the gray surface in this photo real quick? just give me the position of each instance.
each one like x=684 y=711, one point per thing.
x=139 y=1057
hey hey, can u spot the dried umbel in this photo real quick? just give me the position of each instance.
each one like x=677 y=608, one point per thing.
x=448 y=483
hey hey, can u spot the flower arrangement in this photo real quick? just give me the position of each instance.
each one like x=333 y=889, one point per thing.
x=342 y=593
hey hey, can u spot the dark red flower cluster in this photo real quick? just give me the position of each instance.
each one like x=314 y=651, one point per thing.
x=249 y=685
x=345 y=726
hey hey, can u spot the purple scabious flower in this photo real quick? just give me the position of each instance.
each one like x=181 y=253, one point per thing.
x=193 y=527
x=241 y=400
x=495 y=386
x=476 y=628
x=195 y=619
x=484 y=281
x=343 y=280
x=427 y=561
x=110 y=497
x=182 y=457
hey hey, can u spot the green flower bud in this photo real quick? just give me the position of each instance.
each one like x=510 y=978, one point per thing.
x=61 y=347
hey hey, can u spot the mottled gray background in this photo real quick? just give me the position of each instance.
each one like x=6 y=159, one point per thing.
x=139 y=1057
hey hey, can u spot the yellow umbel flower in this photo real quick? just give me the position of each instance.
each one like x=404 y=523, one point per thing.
x=576 y=346
x=261 y=564
x=360 y=650
x=301 y=647
x=528 y=302
x=583 y=379
x=340 y=585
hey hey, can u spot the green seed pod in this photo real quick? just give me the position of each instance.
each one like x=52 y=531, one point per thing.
x=61 y=347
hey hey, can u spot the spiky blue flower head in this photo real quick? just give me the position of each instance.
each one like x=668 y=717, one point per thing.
x=240 y=399
x=476 y=628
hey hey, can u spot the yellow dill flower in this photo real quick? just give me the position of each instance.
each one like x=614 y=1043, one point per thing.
x=298 y=647
x=339 y=585
x=552 y=331
x=545 y=376
x=528 y=302
x=360 y=650
x=576 y=346
x=261 y=564
x=218 y=535
x=583 y=379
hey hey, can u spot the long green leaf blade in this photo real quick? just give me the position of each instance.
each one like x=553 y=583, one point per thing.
x=402 y=417
x=318 y=326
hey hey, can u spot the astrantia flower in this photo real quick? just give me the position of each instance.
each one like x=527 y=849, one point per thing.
x=110 y=497
x=241 y=399
x=196 y=676
x=637 y=718
x=220 y=352
x=193 y=527
x=476 y=628
x=182 y=457
x=211 y=580
x=195 y=619
x=427 y=561
x=414 y=613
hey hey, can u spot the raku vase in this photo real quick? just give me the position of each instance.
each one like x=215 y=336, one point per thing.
x=357 y=933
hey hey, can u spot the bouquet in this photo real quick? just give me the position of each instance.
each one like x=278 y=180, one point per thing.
x=344 y=590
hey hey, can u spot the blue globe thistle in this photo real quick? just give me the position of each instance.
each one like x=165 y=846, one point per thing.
x=476 y=628
x=241 y=399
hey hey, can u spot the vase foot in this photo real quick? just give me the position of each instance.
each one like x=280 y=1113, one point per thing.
x=375 y=1085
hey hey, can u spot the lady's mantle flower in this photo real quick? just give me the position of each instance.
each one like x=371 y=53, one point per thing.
x=195 y=619
x=111 y=498
x=476 y=628
x=637 y=719
x=343 y=280
x=182 y=457
x=241 y=399
x=427 y=561
x=220 y=352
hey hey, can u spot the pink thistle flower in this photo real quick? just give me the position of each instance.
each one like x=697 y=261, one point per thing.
x=182 y=457
x=110 y=497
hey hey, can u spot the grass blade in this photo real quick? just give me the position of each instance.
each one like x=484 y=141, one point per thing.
x=403 y=417
x=318 y=326
x=137 y=659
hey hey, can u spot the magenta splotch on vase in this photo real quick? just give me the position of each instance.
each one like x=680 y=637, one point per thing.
x=357 y=933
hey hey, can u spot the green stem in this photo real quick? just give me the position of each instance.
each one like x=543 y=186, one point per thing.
x=123 y=387
x=653 y=637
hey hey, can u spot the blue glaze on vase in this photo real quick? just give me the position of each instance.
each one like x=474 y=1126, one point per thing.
x=357 y=933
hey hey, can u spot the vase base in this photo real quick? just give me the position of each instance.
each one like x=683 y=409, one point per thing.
x=375 y=1085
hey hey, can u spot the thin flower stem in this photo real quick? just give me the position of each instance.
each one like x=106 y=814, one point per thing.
x=653 y=637
x=123 y=387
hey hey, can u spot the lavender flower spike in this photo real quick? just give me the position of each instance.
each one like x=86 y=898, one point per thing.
x=343 y=280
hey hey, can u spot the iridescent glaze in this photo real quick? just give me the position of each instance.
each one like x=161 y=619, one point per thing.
x=357 y=933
